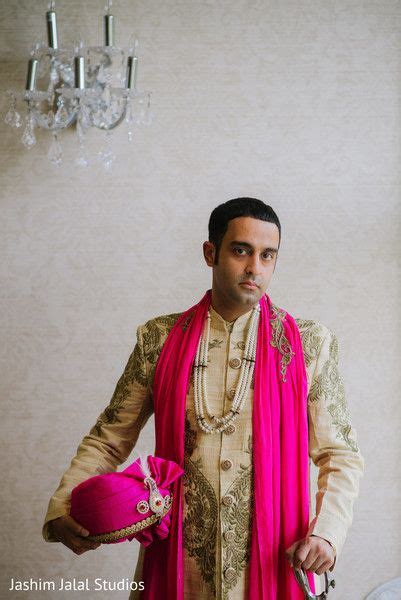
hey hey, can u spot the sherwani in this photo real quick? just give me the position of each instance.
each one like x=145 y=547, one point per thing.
x=218 y=486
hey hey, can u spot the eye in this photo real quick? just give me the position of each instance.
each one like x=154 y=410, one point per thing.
x=269 y=256
x=240 y=250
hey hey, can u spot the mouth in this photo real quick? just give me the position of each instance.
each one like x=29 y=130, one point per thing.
x=250 y=285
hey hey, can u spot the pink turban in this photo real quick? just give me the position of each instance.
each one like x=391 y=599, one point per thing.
x=133 y=503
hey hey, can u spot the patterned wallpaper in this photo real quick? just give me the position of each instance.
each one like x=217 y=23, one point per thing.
x=297 y=103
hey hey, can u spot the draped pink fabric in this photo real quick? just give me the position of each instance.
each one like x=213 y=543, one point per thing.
x=280 y=455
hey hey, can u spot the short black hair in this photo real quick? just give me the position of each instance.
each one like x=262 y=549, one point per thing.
x=238 y=207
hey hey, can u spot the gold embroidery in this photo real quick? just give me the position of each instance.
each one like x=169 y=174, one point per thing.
x=155 y=332
x=190 y=436
x=328 y=386
x=201 y=513
x=311 y=333
x=117 y=534
x=236 y=519
x=239 y=345
x=215 y=343
x=279 y=339
x=134 y=371
x=139 y=366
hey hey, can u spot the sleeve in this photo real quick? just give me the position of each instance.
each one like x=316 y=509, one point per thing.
x=111 y=439
x=333 y=447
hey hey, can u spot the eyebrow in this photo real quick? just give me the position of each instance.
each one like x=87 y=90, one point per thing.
x=247 y=245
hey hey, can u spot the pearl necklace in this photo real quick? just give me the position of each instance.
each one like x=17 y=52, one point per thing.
x=200 y=384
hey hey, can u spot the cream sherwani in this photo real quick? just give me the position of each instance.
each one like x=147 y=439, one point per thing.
x=218 y=467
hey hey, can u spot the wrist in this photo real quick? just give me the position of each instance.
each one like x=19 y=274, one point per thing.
x=319 y=536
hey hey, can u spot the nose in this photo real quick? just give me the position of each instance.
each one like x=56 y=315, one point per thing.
x=253 y=265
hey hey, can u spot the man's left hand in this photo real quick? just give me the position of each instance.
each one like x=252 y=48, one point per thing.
x=312 y=553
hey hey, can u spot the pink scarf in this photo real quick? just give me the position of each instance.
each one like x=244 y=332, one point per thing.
x=280 y=454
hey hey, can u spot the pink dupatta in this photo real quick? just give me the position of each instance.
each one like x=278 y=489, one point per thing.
x=280 y=453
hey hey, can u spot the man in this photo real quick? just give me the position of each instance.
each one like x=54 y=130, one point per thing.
x=219 y=520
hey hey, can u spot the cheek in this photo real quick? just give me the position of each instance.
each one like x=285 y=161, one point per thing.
x=229 y=272
x=269 y=271
x=233 y=266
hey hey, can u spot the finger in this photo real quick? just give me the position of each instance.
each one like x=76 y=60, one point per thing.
x=323 y=568
x=82 y=543
x=318 y=562
x=302 y=553
x=81 y=548
x=91 y=545
x=66 y=544
x=291 y=550
x=76 y=541
x=70 y=546
x=313 y=556
x=76 y=527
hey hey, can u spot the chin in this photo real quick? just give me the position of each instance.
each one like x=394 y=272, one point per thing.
x=250 y=296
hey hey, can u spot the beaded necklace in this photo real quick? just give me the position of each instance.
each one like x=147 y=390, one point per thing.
x=219 y=424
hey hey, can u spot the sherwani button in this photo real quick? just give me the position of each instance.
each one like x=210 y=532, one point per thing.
x=226 y=464
x=231 y=393
x=227 y=500
x=229 y=535
x=234 y=363
x=230 y=429
x=230 y=574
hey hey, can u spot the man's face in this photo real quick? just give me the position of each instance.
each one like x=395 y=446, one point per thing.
x=248 y=252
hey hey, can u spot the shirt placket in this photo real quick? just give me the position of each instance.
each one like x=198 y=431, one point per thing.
x=230 y=448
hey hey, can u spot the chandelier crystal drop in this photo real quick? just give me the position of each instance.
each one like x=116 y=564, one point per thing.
x=91 y=87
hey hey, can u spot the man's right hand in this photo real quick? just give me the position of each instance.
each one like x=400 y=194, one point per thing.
x=70 y=533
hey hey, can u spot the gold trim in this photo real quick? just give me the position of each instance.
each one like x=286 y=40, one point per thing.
x=279 y=339
x=120 y=533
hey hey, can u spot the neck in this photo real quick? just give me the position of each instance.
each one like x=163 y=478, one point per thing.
x=229 y=313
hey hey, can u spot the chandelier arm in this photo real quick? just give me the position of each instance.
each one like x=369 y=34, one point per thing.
x=68 y=85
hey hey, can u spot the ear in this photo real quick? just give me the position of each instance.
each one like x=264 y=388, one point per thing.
x=209 y=252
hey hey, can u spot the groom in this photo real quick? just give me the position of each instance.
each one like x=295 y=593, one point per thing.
x=218 y=558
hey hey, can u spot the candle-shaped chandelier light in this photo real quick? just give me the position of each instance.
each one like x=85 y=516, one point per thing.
x=92 y=86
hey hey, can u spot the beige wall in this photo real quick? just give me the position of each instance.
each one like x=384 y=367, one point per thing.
x=293 y=102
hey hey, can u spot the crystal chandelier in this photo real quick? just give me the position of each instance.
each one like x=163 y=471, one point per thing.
x=89 y=87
